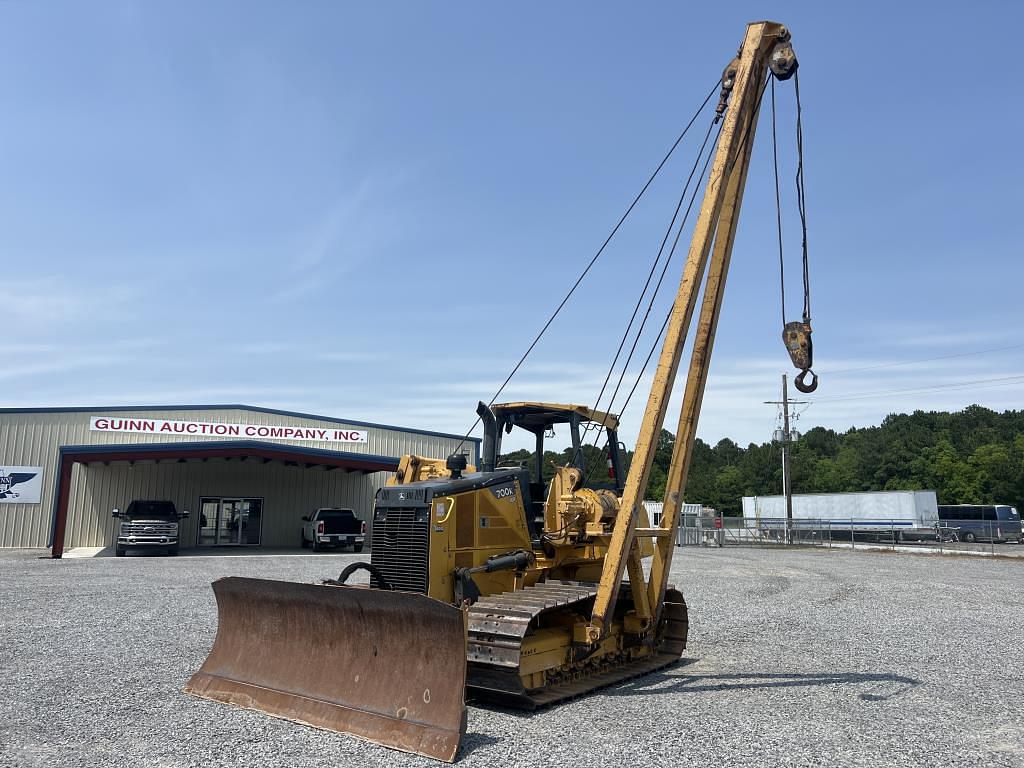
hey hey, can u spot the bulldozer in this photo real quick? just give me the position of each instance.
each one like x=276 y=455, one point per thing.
x=486 y=581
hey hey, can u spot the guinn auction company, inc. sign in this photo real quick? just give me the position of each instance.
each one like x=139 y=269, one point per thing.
x=165 y=427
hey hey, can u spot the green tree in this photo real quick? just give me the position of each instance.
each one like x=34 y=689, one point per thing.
x=972 y=456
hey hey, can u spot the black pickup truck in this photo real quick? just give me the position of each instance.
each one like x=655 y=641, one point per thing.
x=148 y=525
x=333 y=527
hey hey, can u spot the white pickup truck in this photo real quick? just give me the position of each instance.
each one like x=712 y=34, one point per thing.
x=333 y=527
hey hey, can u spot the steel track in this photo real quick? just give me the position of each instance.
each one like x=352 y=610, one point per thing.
x=499 y=625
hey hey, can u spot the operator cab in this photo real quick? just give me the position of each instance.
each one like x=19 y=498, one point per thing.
x=541 y=419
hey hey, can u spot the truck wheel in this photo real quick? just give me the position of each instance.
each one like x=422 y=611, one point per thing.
x=357 y=547
x=305 y=544
x=970 y=538
x=316 y=546
x=118 y=551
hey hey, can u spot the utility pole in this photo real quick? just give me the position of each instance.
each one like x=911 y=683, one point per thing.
x=786 y=437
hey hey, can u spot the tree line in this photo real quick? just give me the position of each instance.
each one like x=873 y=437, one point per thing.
x=973 y=456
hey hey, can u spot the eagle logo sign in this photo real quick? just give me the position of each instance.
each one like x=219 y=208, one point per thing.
x=9 y=481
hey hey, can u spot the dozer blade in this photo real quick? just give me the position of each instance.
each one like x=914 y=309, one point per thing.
x=389 y=667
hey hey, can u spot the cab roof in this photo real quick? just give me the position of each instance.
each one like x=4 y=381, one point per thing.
x=532 y=416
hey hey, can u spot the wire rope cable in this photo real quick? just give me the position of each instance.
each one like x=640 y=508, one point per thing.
x=664 y=325
x=747 y=131
x=593 y=260
x=778 y=210
x=801 y=200
x=650 y=305
x=650 y=275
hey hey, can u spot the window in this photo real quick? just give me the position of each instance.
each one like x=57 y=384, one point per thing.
x=336 y=514
x=1007 y=513
x=156 y=509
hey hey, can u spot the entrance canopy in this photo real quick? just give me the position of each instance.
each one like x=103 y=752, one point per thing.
x=293 y=455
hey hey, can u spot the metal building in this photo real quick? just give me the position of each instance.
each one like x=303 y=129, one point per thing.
x=62 y=470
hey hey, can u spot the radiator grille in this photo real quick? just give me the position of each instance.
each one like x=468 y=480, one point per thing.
x=149 y=529
x=399 y=548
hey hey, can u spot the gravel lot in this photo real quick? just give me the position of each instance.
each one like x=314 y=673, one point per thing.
x=796 y=657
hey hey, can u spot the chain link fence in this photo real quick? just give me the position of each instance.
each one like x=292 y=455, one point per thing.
x=700 y=529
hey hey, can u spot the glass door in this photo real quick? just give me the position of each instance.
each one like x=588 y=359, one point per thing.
x=230 y=522
x=251 y=514
x=208 y=512
x=229 y=526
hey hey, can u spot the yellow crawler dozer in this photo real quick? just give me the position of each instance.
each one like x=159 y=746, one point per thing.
x=487 y=579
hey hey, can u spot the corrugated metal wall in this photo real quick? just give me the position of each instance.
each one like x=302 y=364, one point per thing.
x=34 y=439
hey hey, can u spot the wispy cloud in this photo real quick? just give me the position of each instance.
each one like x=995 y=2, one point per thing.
x=297 y=289
x=259 y=348
x=303 y=351
x=31 y=307
x=345 y=357
x=339 y=218
x=352 y=230
x=28 y=361
x=15 y=369
x=38 y=302
x=264 y=396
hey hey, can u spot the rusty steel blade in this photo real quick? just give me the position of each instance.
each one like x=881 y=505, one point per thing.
x=389 y=667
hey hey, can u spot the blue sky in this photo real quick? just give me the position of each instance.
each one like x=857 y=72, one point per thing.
x=368 y=210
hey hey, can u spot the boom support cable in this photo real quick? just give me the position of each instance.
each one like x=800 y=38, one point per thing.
x=747 y=131
x=664 y=270
x=650 y=276
x=650 y=304
x=657 y=340
x=593 y=260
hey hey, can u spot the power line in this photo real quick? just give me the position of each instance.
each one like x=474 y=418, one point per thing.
x=924 y=360
x=993 y=382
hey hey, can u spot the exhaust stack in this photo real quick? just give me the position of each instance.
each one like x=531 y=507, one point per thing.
x=489 y=451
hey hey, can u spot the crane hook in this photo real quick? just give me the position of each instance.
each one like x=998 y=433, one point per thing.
x=797 y=338
x=806 y=388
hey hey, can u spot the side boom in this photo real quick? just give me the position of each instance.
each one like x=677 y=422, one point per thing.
x=716 y=224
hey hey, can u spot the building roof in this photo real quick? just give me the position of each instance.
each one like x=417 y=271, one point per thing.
x=237 y=407
x=230 y=449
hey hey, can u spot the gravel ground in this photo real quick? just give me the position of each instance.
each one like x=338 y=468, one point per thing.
x=796 y=658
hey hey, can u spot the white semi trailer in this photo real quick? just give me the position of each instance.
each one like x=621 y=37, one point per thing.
x=903 y=515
